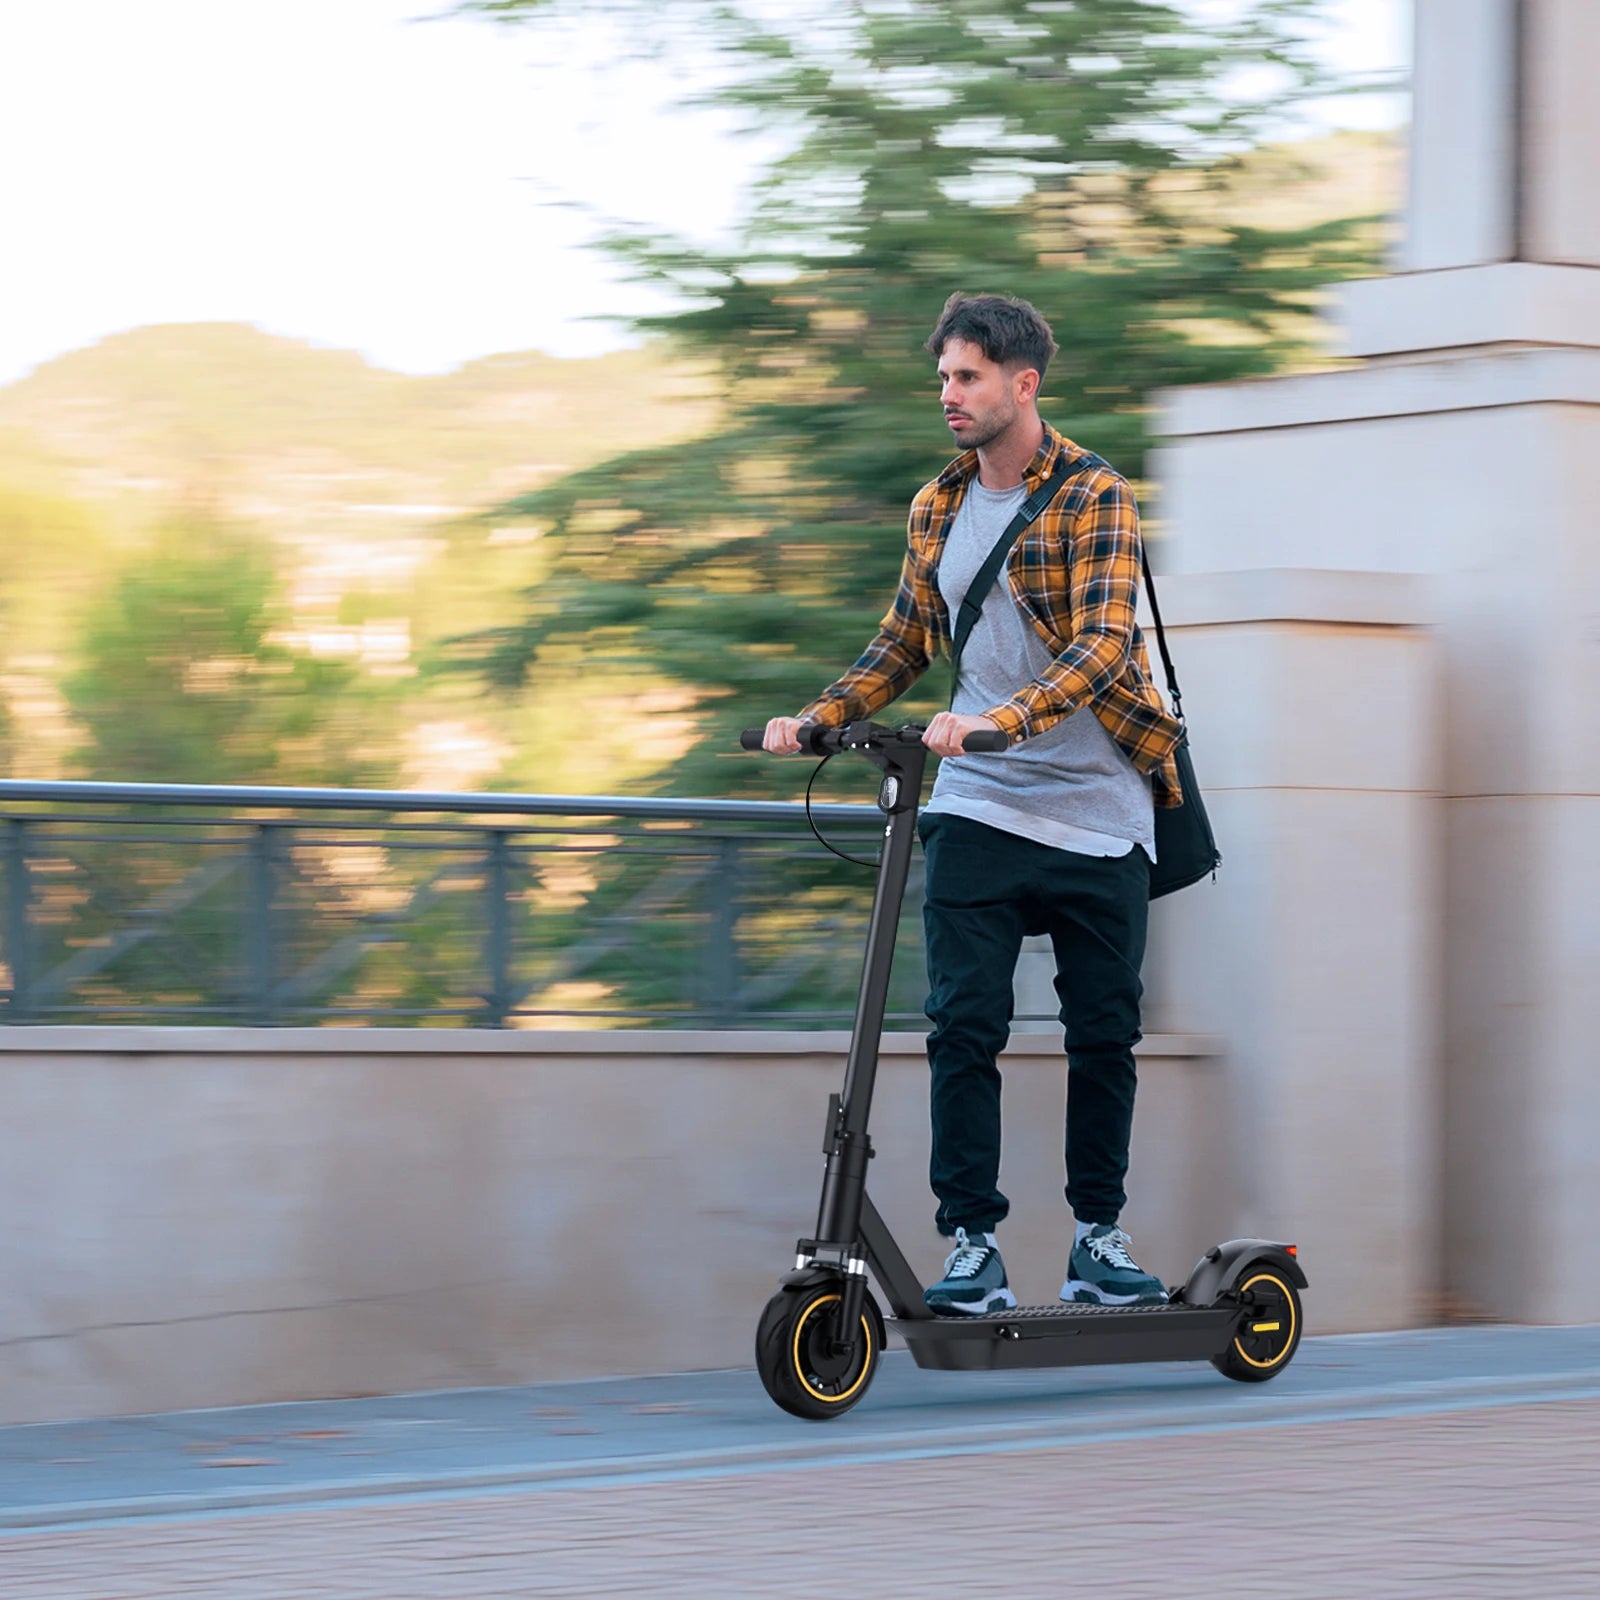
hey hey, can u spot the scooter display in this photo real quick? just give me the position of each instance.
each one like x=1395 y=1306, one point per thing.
x=821 y=1335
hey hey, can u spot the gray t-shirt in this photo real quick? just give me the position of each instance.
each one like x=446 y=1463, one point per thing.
x=1071 y=786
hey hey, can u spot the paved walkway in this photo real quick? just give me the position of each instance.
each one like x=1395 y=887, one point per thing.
x=1448 y=1463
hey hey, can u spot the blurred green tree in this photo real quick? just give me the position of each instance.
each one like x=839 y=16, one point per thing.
x=1079 y=155
x=183 y=676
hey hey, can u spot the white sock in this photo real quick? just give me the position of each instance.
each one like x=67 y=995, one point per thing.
x=1083 y=1228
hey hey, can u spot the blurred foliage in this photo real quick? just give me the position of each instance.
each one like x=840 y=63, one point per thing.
x=1086 y=157
x=351 y=489
x=180 y=677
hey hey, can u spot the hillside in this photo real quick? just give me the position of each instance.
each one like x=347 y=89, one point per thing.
x=270 y=429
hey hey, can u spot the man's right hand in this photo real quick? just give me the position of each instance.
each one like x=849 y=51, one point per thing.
x=783 y=736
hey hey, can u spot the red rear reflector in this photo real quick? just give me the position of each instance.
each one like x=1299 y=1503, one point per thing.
x=1292 y=1249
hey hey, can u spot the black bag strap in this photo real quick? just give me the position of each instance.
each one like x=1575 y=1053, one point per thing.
x=983 y=579
x=1173 y=691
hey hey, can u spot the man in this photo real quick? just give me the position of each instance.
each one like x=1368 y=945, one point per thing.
x=1056 y=834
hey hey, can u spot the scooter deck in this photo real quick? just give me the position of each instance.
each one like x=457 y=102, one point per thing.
x=1069 y=1335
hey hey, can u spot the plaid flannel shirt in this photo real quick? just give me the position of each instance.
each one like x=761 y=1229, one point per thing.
x=1075 y=575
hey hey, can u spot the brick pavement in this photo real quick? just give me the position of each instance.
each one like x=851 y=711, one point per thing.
x=1501 y=1502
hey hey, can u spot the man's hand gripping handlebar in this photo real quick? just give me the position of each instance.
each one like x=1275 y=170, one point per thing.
x=944 y=735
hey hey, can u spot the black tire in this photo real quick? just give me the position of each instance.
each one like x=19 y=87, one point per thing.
x=795 y=1357
x=1269 y=1333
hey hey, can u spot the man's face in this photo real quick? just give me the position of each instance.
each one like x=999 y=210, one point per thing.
x=980 y=398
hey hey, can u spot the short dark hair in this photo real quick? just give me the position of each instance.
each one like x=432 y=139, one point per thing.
x=1010 y=332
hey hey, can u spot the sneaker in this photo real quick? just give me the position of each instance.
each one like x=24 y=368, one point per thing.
x=974 y=1279
x=1101 y=1270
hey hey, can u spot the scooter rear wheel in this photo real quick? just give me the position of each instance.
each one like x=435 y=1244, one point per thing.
x=1270 y=1332
x=798 y=1354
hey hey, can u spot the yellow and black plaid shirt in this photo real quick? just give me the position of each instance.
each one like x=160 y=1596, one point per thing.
x=1075 y=574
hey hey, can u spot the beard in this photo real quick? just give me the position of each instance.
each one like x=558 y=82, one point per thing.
x=985 y=427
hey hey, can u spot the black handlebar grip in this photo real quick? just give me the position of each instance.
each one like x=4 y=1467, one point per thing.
x=980 y=740
x=753 y=739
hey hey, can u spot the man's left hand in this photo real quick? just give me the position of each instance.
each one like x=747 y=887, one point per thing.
x=946 y=732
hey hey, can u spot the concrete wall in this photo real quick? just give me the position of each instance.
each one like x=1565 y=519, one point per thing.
x=205 y=1217
x=1463 y=107
x=1313 y=716
x=1479 y=473
x=1482 y=189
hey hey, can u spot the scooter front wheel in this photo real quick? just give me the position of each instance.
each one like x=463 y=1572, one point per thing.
x=805 y=1364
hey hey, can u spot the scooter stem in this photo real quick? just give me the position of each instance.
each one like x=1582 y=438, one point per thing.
x=844 y=1182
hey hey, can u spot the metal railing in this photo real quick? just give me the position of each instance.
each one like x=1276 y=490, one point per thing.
x=273 y=906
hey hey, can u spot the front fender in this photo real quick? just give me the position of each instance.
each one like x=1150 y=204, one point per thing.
x=816 y=1273
x=1221 y=1267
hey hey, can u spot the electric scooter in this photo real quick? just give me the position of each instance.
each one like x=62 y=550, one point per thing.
x=821 y=1335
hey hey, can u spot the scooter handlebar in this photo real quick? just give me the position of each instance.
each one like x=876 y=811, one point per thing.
x=823 y=741
x=820 y=741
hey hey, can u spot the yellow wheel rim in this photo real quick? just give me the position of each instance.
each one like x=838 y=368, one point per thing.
x=1288 y=1317
x=800 y=1325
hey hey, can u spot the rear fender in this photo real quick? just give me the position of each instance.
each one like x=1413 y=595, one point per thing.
x=1223 y=1265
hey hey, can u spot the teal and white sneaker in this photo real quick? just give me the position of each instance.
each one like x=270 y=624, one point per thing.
x=1102 y=1271
x=974 y=1278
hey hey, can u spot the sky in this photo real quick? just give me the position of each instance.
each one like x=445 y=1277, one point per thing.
x=368 y=175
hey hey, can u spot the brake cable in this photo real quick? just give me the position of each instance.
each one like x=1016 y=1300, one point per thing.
x=811 y=821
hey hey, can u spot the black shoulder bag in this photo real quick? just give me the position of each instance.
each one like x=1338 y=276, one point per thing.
x=1186 y=849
